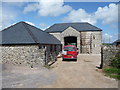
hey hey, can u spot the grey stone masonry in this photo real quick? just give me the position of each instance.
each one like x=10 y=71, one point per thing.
x=23 y=54
x=92 y=40
x=71 y=32
x=109 y=52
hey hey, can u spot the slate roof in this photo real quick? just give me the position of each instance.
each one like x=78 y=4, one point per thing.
x=23 y=33
x=117 y=41
x=78 y=26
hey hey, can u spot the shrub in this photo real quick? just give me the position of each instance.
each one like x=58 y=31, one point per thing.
x=116 y=61
x=114 y=69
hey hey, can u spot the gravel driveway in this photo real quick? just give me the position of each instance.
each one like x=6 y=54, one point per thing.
x=64 y=74
x=81 y=74
x=24 y=77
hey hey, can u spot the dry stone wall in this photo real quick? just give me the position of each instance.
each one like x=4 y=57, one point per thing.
x=109 y=52
x=23 y=55
x=51 y=53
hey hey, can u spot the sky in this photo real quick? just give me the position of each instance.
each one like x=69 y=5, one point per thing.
x=43 y=14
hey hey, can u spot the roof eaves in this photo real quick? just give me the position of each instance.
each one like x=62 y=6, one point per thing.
x=95 y=27
x=89 y=30
x=54 y=32
x=19 y=43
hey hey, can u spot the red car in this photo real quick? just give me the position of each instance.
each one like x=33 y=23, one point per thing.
x=69 y=52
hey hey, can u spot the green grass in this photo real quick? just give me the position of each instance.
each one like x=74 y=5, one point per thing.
x=112 y=72
x=114 y=69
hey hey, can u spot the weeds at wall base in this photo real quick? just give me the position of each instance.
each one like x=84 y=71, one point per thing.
x=112 y=72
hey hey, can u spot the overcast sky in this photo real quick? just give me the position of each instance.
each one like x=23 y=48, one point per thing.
x=43 y=14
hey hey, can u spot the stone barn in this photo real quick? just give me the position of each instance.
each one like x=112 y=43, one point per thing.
x=86 y=37
x=27 y=45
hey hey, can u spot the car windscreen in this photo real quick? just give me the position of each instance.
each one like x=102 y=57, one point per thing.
x=69 y=48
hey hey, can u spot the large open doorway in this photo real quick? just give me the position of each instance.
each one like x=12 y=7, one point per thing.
x=71 y=40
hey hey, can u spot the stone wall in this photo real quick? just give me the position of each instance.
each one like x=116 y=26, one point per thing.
x=30 y=55
x=91 y=42
x=66 y=33
x=109 y=52
x=58 y=35
x=71 y=32
x=23 y=55
x=94 y=37
x=51 y=53
x=96 y=42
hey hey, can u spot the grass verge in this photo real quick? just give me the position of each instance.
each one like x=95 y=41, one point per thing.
x=112 y=72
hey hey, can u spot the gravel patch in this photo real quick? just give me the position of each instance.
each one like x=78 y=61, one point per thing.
x=17 y=77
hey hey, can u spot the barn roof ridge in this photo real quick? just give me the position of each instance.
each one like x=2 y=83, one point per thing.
x=71 y=23
x=80 y=26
